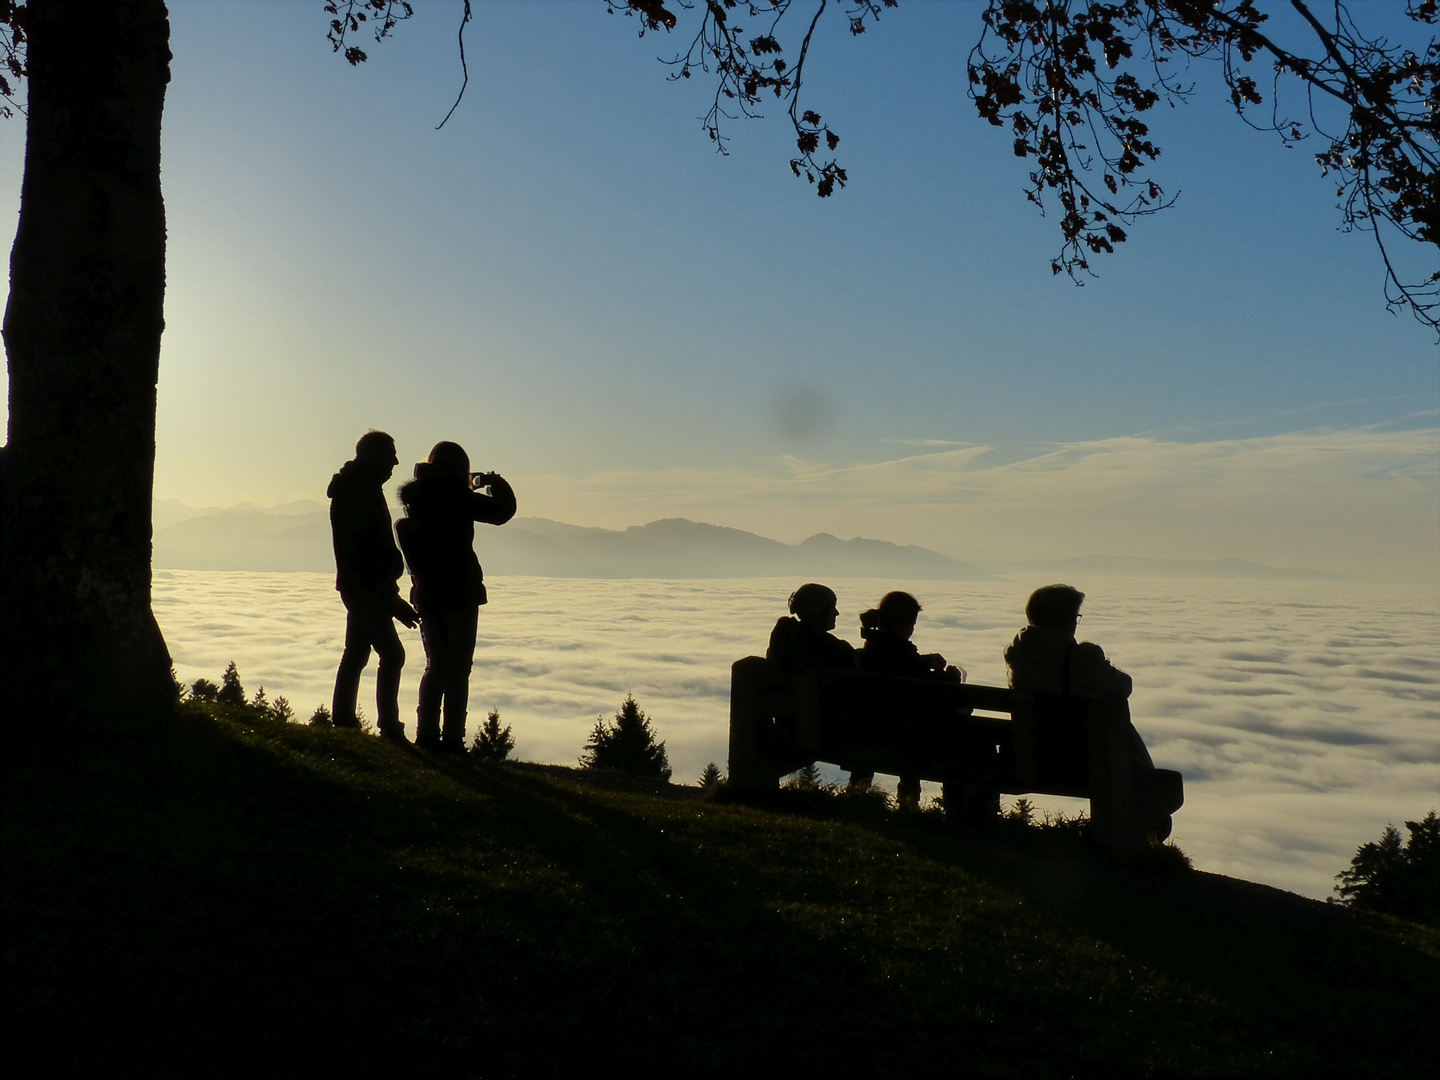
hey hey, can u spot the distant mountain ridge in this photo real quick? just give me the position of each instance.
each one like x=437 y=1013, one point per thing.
x=680 y=548
x=296 y=537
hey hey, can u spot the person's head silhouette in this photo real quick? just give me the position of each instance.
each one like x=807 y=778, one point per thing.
x=895 y=614
x=1055 y=606
x=377 y=449
x=449 y=457
x=814 y=605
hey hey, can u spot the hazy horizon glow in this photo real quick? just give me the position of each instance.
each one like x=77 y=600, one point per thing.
x=1364 y=503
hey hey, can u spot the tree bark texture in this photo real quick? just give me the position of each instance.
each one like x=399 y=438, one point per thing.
x=82 y=337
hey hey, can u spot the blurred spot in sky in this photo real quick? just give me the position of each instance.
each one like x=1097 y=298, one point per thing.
x=802 y=413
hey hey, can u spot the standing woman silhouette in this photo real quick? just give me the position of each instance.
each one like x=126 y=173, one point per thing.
x=437 y=535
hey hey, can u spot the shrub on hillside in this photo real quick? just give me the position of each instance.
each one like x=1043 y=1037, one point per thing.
x=1394 y=878
x=230 y=692
x=321 y=717
x=203 y=690
x=807 y=779
x=278 y=710
x=492 y=742
x=628 y=745
x=711 y=777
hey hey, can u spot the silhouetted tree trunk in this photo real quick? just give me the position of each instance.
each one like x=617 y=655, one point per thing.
x=82 y=335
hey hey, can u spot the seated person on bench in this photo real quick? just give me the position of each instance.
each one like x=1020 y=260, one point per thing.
x=888 y=650
x=1045 y=658
x=804 y=642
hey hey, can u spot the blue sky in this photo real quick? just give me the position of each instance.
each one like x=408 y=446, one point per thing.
x=570 y=282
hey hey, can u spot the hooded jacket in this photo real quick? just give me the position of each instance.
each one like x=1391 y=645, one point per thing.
x=366 y=558
x=437 y=535
x=1047 y=660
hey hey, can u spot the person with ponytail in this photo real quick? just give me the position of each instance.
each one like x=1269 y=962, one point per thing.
x=437 y=535
x=802 y=641
x=888 y=650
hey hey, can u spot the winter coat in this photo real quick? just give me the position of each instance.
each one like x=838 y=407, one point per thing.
x=795 y=647
x=366 y=558
x=1046 y=660
x=890 y=654
x=437 y=535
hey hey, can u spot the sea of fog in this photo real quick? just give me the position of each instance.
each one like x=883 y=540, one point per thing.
x=1302 y=714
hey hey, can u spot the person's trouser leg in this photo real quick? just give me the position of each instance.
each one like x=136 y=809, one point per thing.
x=907 y=793
x=463 y=626
x=387 y=680
x=434 y=633
x=861 y=779
x=369 y=622
x=352 y=663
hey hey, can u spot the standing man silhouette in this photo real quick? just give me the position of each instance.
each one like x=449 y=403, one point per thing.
x=367 y=572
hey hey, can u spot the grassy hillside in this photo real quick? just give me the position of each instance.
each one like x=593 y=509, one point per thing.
x=240 y=895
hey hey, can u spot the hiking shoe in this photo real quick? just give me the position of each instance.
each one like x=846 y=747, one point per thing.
x=395 y=733
x=428 y=742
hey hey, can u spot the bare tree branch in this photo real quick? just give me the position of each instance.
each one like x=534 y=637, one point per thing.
x=464 y=69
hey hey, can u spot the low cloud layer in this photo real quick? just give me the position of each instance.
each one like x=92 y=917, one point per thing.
x=1303 y=714
x=1362 y=502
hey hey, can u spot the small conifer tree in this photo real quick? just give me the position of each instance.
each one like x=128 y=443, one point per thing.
x=204 y=690
x=231 y=692
x=710 y=777
x=1023 y=811
x=492 y=742
x=281 y=710
x=321 y=717
x=628 y=745
x=1397 y=879
x=806 y=779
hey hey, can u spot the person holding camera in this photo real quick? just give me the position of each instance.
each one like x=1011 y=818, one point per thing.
x=442 y=504
x=367 y=572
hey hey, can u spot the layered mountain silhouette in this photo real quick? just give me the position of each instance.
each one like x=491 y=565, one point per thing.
x=297 y=537
x=679 y=548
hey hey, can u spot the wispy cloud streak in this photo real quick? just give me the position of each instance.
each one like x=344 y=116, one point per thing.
x=1361 y=501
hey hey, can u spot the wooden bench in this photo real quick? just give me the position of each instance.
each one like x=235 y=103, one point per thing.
x=977 y=741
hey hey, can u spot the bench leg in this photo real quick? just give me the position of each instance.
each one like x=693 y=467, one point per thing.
x=748 y=772
x=1118 y=818
x=966 y=804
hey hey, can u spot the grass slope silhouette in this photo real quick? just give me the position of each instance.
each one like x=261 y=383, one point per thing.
x=240 y=894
